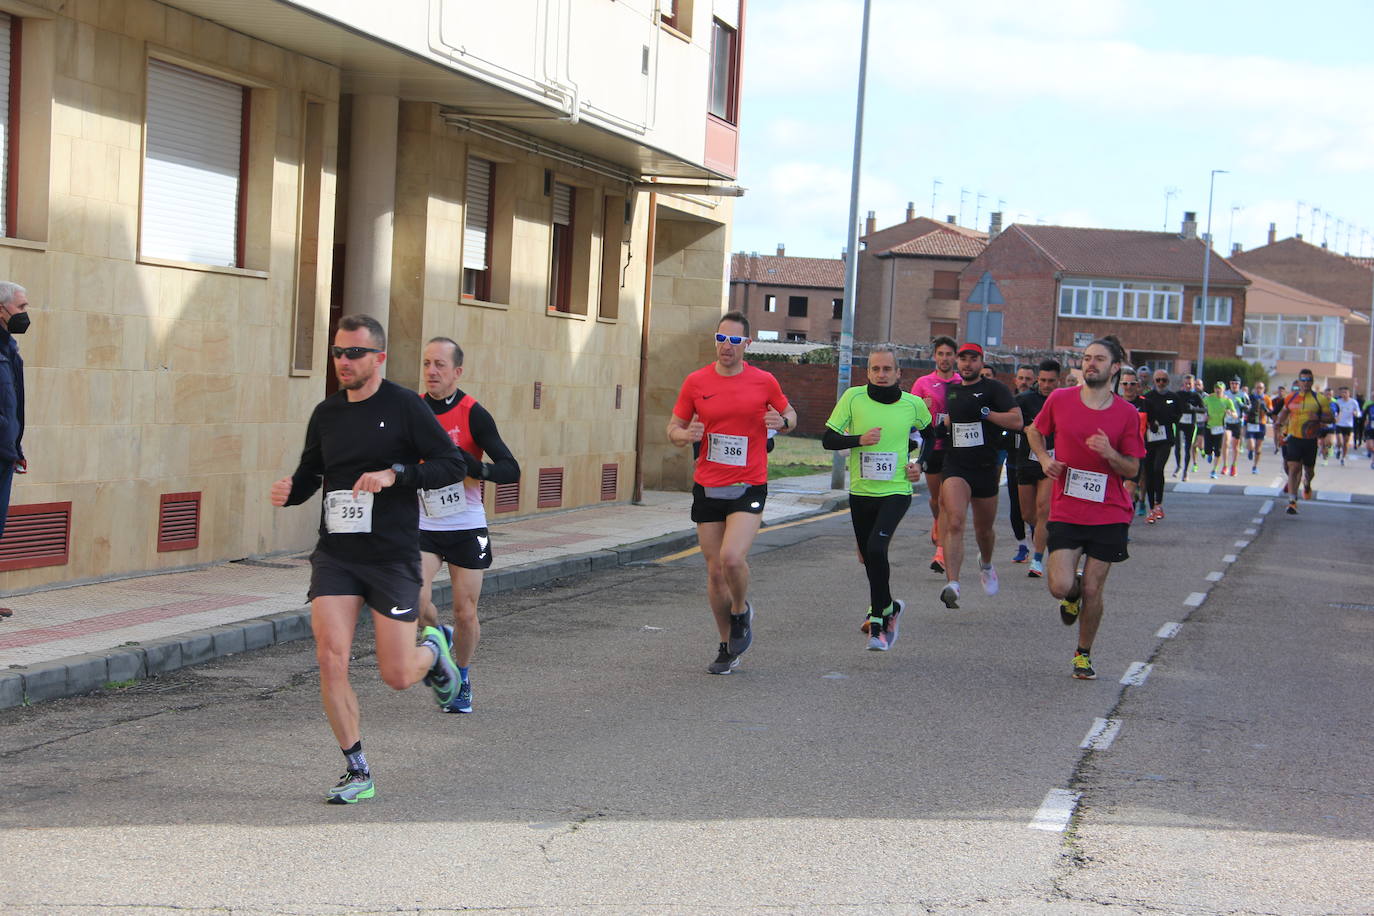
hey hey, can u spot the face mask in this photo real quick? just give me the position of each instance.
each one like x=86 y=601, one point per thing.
x=19 y=323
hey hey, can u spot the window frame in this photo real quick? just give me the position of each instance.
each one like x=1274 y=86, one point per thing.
x=792 y=305
x=1120 y=300
x=770 y=302
x=720 y=29
x=561 y=243
x=474 y=284
x=1214 y=308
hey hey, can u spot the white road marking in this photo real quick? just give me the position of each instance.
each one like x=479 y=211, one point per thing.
x=1251 y=531
x=1102 y=734
x=1262 y=491
x=1055 y=811
x=1279 y=481
x=1266 y=507
x=1257 y=520
x=1229 y=558
x=1242 y=544
x=1214 y=577
x=1136 y=674
x=1190 y=487
x=1169 y=630
x=1195 y=599
x=1326 y=496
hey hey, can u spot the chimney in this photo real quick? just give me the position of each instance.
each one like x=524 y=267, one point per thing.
x=994 y=224
x=910 y=210
x=1273 y=233
x=782 y=250
x=950 y=219
x=1189 y=224
x=871 y=224
x=1235 y=249
x=844 y=253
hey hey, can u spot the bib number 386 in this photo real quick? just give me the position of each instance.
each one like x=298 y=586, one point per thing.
x=732 y=450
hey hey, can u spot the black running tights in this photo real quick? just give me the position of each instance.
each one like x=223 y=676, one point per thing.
x=875 y=521
x=1156 y=460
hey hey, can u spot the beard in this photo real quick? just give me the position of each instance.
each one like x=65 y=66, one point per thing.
x=1095 y=382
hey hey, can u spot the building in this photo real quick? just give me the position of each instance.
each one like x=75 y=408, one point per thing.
x=1287 y=330
x=908 y=290
x=1065 y=286
x=786 y=298
x=196 y=190
x=1346 y=281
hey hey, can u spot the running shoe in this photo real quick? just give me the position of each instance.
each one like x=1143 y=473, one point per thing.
x=1254 y=469
x=988 y=576
x=1194 y=467
x=950 y=595
x=1175 y=473
x=1307 y=491
x=1292 y=507
x=882 y=628
x=353 y=786
x=1249 y=454
x=890 y=628
x=1022 y=554
x=443 y=678
x=937 y=563
x=1083 y=668
x=1069 y=607
x=724 y=663
x=1213 y=475
x=1233 y=470
x=1150 y=519
x=462 y=702
x=1037 y=569
x=741 y=630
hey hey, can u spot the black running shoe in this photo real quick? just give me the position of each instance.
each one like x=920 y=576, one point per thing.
x=1292 y=507
x=724 y=663
x=741 y=630
x=354 y=785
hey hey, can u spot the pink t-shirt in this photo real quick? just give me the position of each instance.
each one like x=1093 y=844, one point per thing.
x=1071 y=422
x=932 y=388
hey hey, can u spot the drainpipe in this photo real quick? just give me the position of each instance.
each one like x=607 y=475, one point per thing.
x=638 y=497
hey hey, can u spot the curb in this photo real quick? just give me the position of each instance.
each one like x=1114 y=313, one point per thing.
x=81 y=674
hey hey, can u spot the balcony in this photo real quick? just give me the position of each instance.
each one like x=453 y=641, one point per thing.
x=1270 y=355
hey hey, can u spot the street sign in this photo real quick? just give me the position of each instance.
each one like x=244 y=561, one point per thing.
x=1082 y=338
x=985 y=291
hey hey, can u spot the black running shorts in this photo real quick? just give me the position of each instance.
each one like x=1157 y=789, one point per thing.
x=392 y=589
x=715 y=509
x=1301 y=450
x=935 y=461
x=1029 y=472
x=1101 y=542
x=982 y=482
x=468 y=549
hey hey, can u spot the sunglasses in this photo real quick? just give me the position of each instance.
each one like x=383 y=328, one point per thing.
x=352 y=352
x=722 y=338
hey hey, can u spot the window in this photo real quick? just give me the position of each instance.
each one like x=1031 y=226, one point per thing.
x=724 y=70
x=765 y=335
x=1295 y=338
x=796 y=337
x=194 y=167
x=676 y=14
x=770 y=303
x=477 y=228
x=1120 y=300
x=796 y=306
x=561 y=264
x=945 y=285
x=837 y=309
x=1218 y=309
x=612 y=253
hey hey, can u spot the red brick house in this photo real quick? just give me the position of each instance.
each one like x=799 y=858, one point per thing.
x=1064 y=286
x=788 y=298
x=1341 y=279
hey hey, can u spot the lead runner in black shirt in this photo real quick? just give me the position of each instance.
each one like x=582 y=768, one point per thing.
x=976 y=411
x=366 y=443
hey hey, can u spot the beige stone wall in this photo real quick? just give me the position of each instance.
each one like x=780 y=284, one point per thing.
x=146 y=378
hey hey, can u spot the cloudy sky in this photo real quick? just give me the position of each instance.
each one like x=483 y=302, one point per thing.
x=1067 y=112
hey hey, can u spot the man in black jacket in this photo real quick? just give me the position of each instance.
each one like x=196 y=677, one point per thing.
x=14 y=319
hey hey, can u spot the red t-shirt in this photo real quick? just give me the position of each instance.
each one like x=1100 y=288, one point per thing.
x=735 y=447
x=1071 y=422
x=932 y=388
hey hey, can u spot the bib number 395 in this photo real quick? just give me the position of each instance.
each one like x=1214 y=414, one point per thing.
x=346 y=514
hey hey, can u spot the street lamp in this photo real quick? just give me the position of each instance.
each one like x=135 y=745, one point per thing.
x=1206 y=271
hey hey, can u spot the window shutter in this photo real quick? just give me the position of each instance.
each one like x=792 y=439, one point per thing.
x=191 y=180
x=562 y=204
x=4 y=118
x=476 y=214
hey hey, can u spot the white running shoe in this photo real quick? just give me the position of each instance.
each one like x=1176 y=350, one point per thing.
x=988 y=576
x=950 y=595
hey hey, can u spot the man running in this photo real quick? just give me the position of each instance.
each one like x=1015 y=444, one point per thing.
x=977 y=410
x=1303 y=416
x=1234 y=424
x=880 y=476
x=1256 y=419
x=1369 y=430
x=1189 y=409
x=1033 y=487
x=1346 y=409
x=1130 y=392
x=372 y=443
x=1276 y=403
x=931 y=388
x=1220 y=409
x=1162 y=412
x=1097 y=445
x=453 y=521
x=1024 y=381
x=728 y=406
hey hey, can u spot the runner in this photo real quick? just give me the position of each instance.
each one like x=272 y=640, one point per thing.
x=1130 y=392
x=1346 y=410
x=1188 y=403
x=881 y=471
x=1369 y=430
x=931 y=388
x=372 y=443
x=1276 y=403
x=976 y=411
x=729 y=406
x=1162 y=413
x=453 y=521
x=1033 y=487
x=1024 y=381
x=1303 y=416
x=1327 y=435
x=1219 y=409
x=1097 y=446
x=1235 y=427
x=1256 y=417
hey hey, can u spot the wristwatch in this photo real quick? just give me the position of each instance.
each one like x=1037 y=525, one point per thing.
x=785 y=423
x=399 y=470
x=984 y=412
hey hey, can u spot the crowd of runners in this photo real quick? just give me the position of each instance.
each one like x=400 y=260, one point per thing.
x=1083 y=451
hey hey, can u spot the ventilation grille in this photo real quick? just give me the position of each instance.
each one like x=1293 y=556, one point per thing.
x=610 y=480
x=538 y=394
x=550 y=488
x=36 y=535
x=178 y=522
x=508 y=497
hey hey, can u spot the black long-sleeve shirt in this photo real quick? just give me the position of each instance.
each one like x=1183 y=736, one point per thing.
x=345 y=439
x=502 y=468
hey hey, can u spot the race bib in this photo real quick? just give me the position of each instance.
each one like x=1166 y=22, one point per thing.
x=729 y=450
x=1254 y=428
x=444 y=502
x=346 y=514
x=1156 y=435
x=1186 y=419
x=1036 y=458
x=1217 y=430
x=1201 y=416
x=877 y=465
x=1089 y=485
x=968 y=435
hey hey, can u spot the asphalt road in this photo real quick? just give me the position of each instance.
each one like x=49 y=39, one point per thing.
x=605 y=772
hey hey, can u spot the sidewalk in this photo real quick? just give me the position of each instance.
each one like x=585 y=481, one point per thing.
x=69 y=641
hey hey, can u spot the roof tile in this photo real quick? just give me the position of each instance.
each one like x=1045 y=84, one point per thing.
x=823 y=273
x=1129 y=253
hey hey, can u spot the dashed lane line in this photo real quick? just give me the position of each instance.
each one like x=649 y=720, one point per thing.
x=1055 y=811
x=1169 y=630
x=1213 y=577
x=1136 y=674
x=1229 y=558
x=1195 y=599
x=1101 y=735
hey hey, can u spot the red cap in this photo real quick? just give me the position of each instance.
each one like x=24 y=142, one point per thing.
x=970 y=348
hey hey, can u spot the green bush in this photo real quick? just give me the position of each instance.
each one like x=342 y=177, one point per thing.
x=1223 y=370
